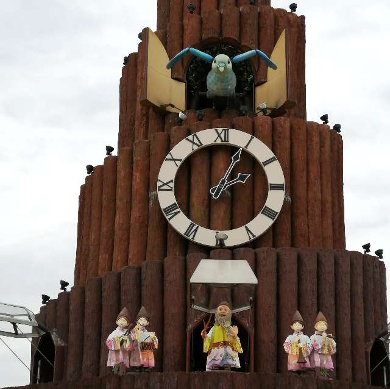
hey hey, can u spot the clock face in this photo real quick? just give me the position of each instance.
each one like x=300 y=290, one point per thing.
x=245 y=143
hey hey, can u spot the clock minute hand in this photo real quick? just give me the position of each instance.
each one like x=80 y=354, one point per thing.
x=217 y=190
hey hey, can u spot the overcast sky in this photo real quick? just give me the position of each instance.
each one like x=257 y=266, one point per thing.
x=60 y=64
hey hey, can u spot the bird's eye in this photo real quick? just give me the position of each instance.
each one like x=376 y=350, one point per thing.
x=215 y=61
x=228 y=61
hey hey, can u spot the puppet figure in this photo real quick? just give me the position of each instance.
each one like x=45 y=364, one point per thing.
x=119 y=344
x=144 y=343
x=297 y=346
x=324 y=346
x=222 y=343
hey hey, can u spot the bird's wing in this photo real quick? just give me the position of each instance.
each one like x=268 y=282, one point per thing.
x=206 y=57
x=252 y=53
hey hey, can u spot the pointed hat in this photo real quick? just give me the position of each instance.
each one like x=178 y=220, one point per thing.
x=142 y=313
x=297 y=318
x=320 y=317
x=124 y=313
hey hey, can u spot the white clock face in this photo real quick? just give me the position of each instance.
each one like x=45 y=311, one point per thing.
x=217 y=137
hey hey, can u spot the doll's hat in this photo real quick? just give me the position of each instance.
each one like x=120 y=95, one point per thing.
x=297 y=318
x=142 y=313
x=320 y=317
x=124 y=313
x=225 y=303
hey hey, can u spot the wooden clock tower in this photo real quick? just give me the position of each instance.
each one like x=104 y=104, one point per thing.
x=128 y=255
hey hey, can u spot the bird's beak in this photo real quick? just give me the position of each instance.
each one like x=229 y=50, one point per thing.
x=221 y=68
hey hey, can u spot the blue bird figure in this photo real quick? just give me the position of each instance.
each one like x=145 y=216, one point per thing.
x=221 y=80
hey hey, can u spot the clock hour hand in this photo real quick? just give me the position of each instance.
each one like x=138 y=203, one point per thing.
x=242 y=177
x=216 y=190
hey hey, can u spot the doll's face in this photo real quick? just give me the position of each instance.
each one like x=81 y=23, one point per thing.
x=297 y=326
x=143 y=322
x=321 y=326
x=223 y=310
x=122 y=322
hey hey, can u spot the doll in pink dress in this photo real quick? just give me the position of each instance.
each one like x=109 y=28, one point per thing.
x=119 y=344
x=324 y=346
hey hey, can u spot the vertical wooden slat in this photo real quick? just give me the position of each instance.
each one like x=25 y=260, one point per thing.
x=343 y=315
x=211 y=25
x=265 y=39
x=139 y=206
x=76 y=334
x=281 y=148
x=131 y=290
x=357 y=318
x=152 y=299
x=266 y=335
x=123 y=208
x=96 y=216
x=107 y=228
x=176 y=244
x=162 y=14
x=288 y=299
x=307 y=286
x=313 y=186
x=263 y=131
x=156 y=242
x=300 y=109
x=175 y=45
x=377 y=298
x=156 y=122
x=51 y=315
x=110 y=311
x=80 y=221
x=249 y=26
x=92 y=327
x=383 y=295
x=86 y=230
x=299 y=166
x=192 y=30
x=326 y=187
x=368 y=289
x=174 y=353
x=231 y=24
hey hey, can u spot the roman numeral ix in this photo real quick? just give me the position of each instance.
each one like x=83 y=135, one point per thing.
x=171 y=211
x=165 y=186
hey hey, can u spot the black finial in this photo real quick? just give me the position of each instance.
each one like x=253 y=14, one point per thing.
x=366 y=248
x=325 y=118
x=63 y=285
x=109 y=150
x=293 y=7
x=191 y=7
x=125 y=60
x=379 y=253
x=45 y=299
x=337 y=128
x=89 y=169
x=200 y=115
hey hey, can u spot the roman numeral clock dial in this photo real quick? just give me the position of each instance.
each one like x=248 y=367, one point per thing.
x=219 y=137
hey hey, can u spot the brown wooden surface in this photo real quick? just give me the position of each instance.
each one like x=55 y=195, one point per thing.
x=281 y=148
x=314 y=218
x=207 y=5
x=377 y=299
x=140 y=201
x=123 y=208
x=343 y=315
x=174 y=354
x=288 y=299
x=368 y=295
x=300 y=109
x=226 y=3
x=80 y=221
x=192 y=30
x=383 y=296
x=131 y=290
x=152 y=285
x=107 y=228
x=110 y=310
x=76 y=333
x=96 y=217
x=51 y=315
x=266 y=329
x=211 y=25
x=84 y=241
x=249 y=26
x=326 y=187
x=157 y=225
x=141 y=112
x=299 y=188
x=265 y=40
x=92 y=327
x=156 y=122
x=174 y=46
x=357 y=318
x=231 y=24
x=262 y=129
x=176 y=244
x=292 y=23
x=62 y=320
